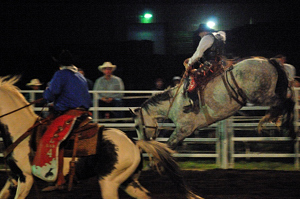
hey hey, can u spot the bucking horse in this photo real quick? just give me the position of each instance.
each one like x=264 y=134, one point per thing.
x=259 y=81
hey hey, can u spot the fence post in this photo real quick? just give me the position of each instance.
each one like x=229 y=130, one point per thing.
x=218 y=145
x=230 y=136
x=296 y=149
x=223 y=132
x=95 y=106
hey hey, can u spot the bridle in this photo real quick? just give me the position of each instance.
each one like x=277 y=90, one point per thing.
x=146 y=126
x=156 y=127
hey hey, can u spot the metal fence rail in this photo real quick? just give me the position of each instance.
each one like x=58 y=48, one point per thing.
x=225 y=139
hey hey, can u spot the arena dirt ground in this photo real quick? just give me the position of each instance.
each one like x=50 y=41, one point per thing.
x=210 y=184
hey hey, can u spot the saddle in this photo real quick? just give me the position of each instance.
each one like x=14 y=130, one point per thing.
x=197 y=79
x=69 y=135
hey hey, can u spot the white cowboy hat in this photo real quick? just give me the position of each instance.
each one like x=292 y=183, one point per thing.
x=107 y=65
x=34 y=82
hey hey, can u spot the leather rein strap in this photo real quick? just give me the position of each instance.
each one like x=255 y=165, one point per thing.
x=34 y=102
x=11 y=147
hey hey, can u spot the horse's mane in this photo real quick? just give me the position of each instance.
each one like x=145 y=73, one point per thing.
x=7 y=83
x=158 y=98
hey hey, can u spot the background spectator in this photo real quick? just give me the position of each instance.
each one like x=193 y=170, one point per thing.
x=35 y=84
x=159 y=84
x=176 y=80
x=110 y=82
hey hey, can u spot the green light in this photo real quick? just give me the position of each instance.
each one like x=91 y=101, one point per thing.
x=146 y=18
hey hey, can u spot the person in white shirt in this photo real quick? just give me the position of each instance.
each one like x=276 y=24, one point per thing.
x=110 y=82
x=207 y=56
x=208 y=38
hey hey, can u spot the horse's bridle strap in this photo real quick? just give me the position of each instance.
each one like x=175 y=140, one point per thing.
x=145 y=126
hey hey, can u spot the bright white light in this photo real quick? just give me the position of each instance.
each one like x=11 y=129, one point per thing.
x=147 y=15
x=211 y=24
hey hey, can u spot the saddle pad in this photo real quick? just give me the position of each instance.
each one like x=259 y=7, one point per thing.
x=45 y=163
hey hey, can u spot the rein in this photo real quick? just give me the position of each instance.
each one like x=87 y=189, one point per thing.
x=34 y=102
x=171 y=104
x=11 y=147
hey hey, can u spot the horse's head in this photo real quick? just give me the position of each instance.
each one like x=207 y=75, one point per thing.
x=145 y=125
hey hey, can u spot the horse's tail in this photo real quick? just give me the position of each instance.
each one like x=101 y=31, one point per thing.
x=284 y=106
x=161 y=154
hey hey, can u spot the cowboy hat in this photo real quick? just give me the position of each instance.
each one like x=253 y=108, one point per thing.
x=176 y=78
x=204 y=28
x=34 y=82
x=107 y=65
x=65 y=58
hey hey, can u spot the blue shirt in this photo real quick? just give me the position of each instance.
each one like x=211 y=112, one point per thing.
x=68 y=90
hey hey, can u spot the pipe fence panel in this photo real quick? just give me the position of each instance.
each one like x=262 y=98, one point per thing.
x=225 y=141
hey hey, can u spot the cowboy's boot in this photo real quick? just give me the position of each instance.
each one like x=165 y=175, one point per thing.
x=194 y=106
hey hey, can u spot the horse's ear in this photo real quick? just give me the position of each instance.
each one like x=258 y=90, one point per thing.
x=133 y=112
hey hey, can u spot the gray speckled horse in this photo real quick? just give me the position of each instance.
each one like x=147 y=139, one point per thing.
x=260 y=81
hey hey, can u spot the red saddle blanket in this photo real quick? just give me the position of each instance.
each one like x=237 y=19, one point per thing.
x=45 y=163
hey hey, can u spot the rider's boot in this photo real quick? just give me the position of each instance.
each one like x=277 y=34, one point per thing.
x=194 y=106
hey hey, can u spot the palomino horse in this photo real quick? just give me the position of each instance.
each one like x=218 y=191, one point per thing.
x=257 y=80
x=119 y=162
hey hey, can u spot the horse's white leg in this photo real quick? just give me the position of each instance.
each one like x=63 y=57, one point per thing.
x=5 y=193
x=136 y=190
x=109 y=189
x=22 y=162
x=24 y=187
x=124 y=169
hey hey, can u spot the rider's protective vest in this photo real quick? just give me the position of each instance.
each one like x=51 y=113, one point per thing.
x=215 y=51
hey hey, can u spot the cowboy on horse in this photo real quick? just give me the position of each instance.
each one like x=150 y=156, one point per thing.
x=204 y=62
x=68 y=90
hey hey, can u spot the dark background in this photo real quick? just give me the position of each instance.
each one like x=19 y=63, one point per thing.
x=32 y=32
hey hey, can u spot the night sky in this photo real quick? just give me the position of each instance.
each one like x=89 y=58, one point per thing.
x=33 y=32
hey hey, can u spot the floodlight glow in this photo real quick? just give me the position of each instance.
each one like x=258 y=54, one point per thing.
x=147 y=15
x=146 y=18
x=211 y=24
